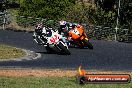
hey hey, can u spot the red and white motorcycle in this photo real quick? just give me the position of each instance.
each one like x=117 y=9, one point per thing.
x=54 y=42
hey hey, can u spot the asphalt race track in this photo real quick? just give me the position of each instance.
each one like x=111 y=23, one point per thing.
x=106 y=55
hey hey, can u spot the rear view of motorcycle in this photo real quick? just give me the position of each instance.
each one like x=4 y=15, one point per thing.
x=53 y=41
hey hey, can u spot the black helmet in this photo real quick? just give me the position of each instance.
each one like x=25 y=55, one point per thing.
x=38 y=28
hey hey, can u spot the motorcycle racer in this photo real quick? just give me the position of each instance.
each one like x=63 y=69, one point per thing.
x=41 y=32
x=63 y=27
x=38 y=33
x=76 y=31
x=77 y=36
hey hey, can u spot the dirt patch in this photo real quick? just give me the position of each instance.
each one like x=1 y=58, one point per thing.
x=15 y=26
x=36 y=72
x=51 y=72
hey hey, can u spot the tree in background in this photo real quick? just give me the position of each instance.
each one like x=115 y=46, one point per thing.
x=125 y=17
x=103 y=13
x=106 y=12
x=50 y=9
x=81 y=11
x=106 y=5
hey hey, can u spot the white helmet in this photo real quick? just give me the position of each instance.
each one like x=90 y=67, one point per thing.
x=62 y=22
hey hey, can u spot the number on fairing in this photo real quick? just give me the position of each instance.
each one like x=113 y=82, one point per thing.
x=75 y=31
x=53 y=38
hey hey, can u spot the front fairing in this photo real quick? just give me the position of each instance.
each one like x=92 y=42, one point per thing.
x=53 y=39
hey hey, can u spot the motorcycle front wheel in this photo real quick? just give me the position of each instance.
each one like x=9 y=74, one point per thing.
x=64 y=49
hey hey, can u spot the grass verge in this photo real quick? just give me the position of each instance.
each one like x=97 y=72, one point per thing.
x=51 y=82
x=50 y=78
x=8 y=52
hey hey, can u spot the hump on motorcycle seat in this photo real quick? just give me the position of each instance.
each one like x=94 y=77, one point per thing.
x=48 y=33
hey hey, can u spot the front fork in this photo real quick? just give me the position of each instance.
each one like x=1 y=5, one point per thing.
x=64 y=41
x=58 y=45
x=37 y=39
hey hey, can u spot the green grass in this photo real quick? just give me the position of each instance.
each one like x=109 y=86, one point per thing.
x=8 y=52
x=52 y=82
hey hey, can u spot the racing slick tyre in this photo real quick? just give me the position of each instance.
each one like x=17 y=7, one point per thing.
x=88 y=44
x=64 y=49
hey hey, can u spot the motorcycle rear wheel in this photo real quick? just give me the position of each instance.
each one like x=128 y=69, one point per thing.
x=88 y=44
